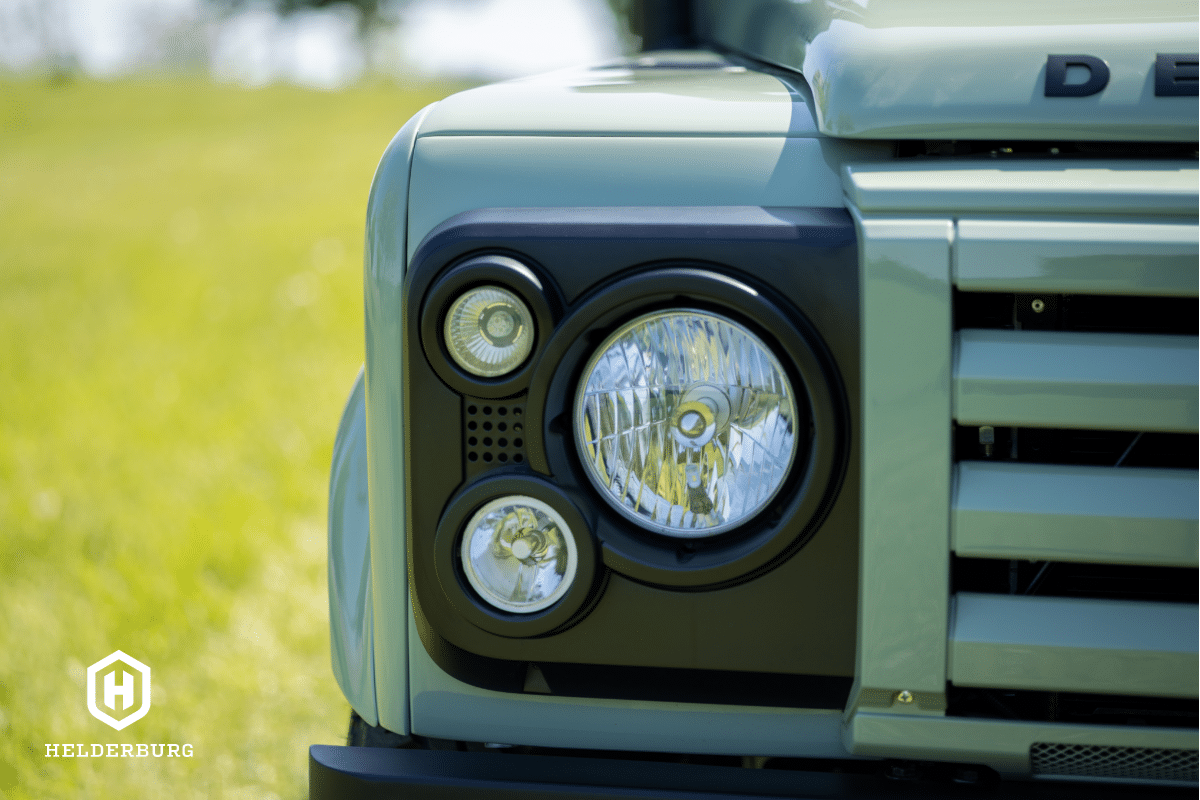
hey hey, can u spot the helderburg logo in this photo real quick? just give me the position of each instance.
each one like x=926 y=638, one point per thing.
x=118 y=690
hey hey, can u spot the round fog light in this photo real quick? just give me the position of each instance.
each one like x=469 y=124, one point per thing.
x=489 y=331
x=519 y=554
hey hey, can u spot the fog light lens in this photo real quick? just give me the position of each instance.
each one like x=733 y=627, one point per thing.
x=519 y=554
x=686 y=422
x=489 y=331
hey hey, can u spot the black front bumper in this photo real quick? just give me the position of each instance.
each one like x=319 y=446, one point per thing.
x=369 y=773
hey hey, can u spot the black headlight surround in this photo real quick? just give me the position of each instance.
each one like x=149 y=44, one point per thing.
x=808 y=491
x=453 y=581
x=497 y=269
x=634 y=639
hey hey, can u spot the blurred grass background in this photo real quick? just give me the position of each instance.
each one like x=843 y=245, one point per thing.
x=180 y=323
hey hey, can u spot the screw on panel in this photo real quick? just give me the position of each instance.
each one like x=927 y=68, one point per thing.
x=1038 y=305
x=987 y=438
x=905 y=696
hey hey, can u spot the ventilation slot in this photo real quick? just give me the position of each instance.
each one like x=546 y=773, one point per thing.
x=493 y=435
x=1075 y=312
x=1076 y=446
x=1073 y=708
x=1066 y=579
x=1129 y=763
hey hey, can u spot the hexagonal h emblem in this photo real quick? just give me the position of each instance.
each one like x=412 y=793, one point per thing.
x=114 y=685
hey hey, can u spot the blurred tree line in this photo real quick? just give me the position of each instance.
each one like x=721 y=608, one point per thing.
x=628 y=13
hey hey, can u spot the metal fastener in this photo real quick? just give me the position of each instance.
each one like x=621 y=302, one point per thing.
x=1038 y=305
x=905 y=696
x=987 y=438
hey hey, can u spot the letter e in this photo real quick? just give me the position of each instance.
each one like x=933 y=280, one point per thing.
x=1177 y=75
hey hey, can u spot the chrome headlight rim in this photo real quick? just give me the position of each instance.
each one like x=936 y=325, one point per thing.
x=525 y=282
x=462 y=595
x=808 y=492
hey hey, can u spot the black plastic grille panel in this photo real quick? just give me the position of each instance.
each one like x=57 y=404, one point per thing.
x=1093 y=761
x=493 y=434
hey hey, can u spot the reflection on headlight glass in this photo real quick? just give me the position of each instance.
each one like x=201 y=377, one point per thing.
x=489 y=331
x=518 y=554
x=686 y=422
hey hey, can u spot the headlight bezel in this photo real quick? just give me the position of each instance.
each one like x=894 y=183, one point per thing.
x=807 y=493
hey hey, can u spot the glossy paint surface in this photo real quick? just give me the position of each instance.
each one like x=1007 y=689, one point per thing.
x=700 y=93
x=1068 y=379
x=627 y=137
x=905 y=441
x=1058 y=512
x=350 y=617
x=1067 y=644
x=383 y=275
x=1044 y=188
x=1093 y=257
x=937 y=70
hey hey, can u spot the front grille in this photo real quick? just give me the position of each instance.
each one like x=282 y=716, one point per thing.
x=1075 y=458
x=1091 y=761
x=1066 y=318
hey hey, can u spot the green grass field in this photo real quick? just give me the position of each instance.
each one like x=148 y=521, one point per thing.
x=180 y=322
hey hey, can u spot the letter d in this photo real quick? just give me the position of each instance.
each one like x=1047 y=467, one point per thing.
x=1056 y=76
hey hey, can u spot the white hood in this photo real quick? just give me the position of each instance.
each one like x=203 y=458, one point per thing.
x=919 y=69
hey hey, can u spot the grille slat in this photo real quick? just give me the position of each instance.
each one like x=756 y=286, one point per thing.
x=1025 y=642
x=1151 y=258
x=1049 y=512
x=1059 y=379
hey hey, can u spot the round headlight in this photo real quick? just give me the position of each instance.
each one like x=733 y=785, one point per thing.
x=519 y=554
x=488 y=331
x=686 y=423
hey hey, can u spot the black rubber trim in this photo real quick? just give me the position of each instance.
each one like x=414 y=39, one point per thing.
x=694 y=685
x=368 y=773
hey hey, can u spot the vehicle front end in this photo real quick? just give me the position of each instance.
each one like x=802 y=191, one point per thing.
x=780 y=417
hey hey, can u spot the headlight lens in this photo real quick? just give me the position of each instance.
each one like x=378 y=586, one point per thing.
x=686 y=423
x=519 y=554
x=489 y=331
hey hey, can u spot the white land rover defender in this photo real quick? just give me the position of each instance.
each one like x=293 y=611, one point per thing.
x=809 y=401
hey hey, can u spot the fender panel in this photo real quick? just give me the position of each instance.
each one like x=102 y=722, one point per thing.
x=350 y=609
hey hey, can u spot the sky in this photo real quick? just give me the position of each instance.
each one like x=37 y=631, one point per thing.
x=489 y=39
